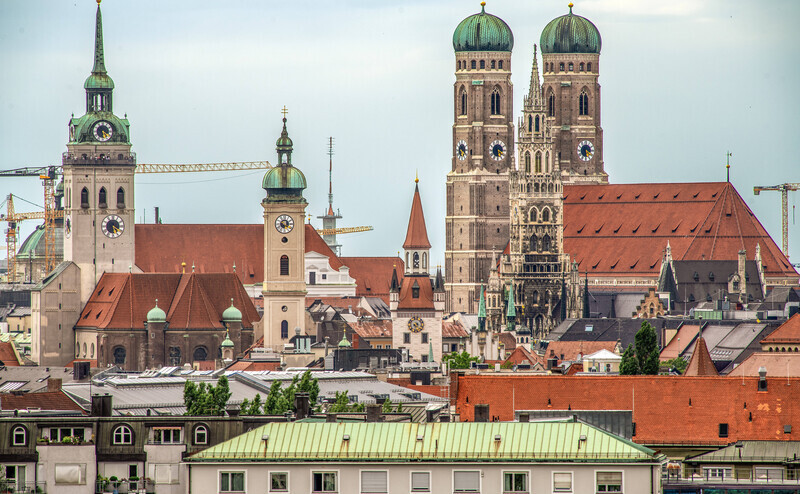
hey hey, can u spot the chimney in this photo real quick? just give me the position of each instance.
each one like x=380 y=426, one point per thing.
x=482 y=412
x=331 y=417
x=233 y=410
x=762 y=378
x=101 y=405
x=53 y=384
x=373 y=412
x=524 y=417
x=430 y=416
x=302 y=405
x=80 y=370
x=444 y=418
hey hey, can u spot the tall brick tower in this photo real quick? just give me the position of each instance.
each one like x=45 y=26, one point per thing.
x=483 y=147
x=571 y=65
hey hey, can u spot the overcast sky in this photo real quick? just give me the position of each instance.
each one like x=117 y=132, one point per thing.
x=203 y=81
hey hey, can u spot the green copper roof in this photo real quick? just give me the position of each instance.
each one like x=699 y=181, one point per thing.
x=482 y=305
x=156 y=314
x=570 y=34
x=512 y=310
x=284 y=177
x=483 y=32
x=523 y=442
x=232 y=314
x=99 y=79
x=227 y=343
x=344 y=343
x=284 y=183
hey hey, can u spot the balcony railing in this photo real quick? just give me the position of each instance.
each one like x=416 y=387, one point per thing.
x=125 y=486
x=10 y=486
x=706 y=479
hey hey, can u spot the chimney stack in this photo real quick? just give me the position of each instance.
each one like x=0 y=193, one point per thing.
x=302 y=404
x=373 y=412
x=482 y=412
x=53 y=384
x=101 y=405
x=762 y=378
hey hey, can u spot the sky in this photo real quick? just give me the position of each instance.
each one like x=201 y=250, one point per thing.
x=203 y=81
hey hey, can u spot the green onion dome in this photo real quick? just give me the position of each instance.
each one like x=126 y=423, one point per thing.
x=232 y=314
x=284 y=178
x=570 y=34
x=156 y=314
x=483 y=32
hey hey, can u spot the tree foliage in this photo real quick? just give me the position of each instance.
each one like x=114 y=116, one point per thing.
x=206 y=399
x=457 y=360
x=629 y=365
x=642 y=356
x=677 y=363
x=342 y=404
x=387 y=406
x=280 y=400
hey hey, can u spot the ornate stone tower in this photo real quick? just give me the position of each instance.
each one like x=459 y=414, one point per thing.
x=536 y=263
x=284 y=287
x=483 y=144
x=98 y=181
x=571 y=58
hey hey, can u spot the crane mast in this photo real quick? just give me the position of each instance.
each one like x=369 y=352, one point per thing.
x=784 y=190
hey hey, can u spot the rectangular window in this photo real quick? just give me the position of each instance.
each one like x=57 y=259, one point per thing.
x=515 y=483
x=467 y=481
x=424 y=337
x=167 y=435
x=375 y=482
x=231 y=481
x=562 y=481
x=165 y=473
x=723 y=430
x=57 y=434
x=323 y=482
x=71 y=474
x=420 y=481
x=769 y=474
x=609 y=482
x=15 y=477
x=406 y=338
x=717 y=473
x=279 y=482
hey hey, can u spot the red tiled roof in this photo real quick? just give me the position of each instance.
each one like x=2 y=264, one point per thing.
x=571 y=349
x=7 y=354
x=508 y=340
x=367 y=329
x=453 y=329
x=621 y=230
x=191 y=300
x=666 y=409
x=373 y=275
x=254 y=365
x=786 y=333
x=315 y=243
x=417 y=234
x=425 y=298
x=680 y=342
x=45 y=400
x=522 y=355
x=701 y=364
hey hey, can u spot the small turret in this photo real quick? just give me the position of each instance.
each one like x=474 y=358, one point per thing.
x=156 y=314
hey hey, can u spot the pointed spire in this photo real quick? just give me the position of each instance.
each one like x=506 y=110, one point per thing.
x=586 y=312
x=535 y=90
x=430 y=351
x=439 y=283
x=701 y=363
x=511 y=313
x=417 y=234
x=395 y=287
x=482 y=304
x=563 y=298
x=99 y=59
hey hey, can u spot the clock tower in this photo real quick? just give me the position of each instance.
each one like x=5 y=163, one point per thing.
x=284 y=287
x=476 y=221
x=98 y=181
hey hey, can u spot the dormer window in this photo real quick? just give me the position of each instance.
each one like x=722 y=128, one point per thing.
x=415 y=290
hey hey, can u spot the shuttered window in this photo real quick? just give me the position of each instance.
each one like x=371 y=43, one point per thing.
x=562 y=482
x=374 y=482
x=420 y=481
x=469 y=481
x=609 y=482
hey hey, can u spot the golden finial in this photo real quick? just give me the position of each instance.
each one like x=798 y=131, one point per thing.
x=416 y=177
x=98 y=2
x=483 y=4
x=570 y=7
x=183 y=267
x=284 y=111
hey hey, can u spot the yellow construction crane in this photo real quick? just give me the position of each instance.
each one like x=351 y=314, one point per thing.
x=784 y=190
x=48 y=175
x=339 y=231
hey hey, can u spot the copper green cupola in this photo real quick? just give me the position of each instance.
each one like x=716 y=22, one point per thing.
x=570 y=33
x=483 y=32
x=284 y=182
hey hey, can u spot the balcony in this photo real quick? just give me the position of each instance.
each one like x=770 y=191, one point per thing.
x=11 y=486
x=706 y=480
x=123 y=486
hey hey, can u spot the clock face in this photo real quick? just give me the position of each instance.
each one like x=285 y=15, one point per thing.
x=67 y=226
x=461 y=150
x=284 y=223
x=498 y=150
x=103 y=131
x=585 y=150
x=415 y=324
x=113 y=226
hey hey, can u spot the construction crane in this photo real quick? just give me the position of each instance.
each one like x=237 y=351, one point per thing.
x=50 y=173
x=338 y=231
x=784 y=190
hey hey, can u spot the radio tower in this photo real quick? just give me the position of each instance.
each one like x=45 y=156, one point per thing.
x=330 y=217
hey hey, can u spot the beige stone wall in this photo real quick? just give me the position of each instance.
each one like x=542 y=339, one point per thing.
x=54 y=311
x=417 y=349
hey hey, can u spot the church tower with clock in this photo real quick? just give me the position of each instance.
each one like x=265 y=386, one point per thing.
x=284 y=287
x=98 y=181
x=476 y=220
x=571 y=65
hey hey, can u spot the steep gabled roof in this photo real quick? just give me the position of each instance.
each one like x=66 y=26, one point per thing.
x=787 y=333
x=417 y=234
x=424 y=300
x=701 y=364
x=373 y=275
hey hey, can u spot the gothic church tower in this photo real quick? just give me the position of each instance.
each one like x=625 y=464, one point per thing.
x=483 y=143
x=98 y=181
x=571 y=58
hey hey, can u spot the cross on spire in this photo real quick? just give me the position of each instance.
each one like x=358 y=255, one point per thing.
x=284 y=111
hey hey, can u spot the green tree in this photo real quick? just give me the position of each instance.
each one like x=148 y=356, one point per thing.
x=387 y=406
x=220 y=394
x=342 y=404
x=629 y=365
x=646 y=345
x=252 y=407
x=678 y=364
x=275 y=403
x=206 y=399
x=310 y=385
x=457 y=360
x=400 y=407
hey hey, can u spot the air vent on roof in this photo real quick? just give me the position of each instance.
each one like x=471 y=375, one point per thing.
x=583 y=196
x=636 y=228
x=696 y=276
x=655 y=196
x=635 y=263
x=695 y=227
x=696 y=194
x=676 y=195
x=617 y=228
x=581 y=228
x=676 y=226
x=636 y=196
x=594 y=266
x=614 y=265
x=620 y=195
x=600 y=196
x=714 y=194
x=711 y=275
x=110 y=292
x=599 y=228
x=656 y=228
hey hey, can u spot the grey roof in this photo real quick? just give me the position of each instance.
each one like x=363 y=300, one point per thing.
x=52 y=275
x=752 y=452
x=31 y=378
x=19 y=311
x=619 y=422
x=625 y=303
x=603 y=329
x=730 y=343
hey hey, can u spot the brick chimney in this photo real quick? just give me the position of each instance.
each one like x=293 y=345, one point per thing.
x=53 y=384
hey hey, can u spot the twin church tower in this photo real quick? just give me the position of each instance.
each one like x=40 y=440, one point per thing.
x=497 y=199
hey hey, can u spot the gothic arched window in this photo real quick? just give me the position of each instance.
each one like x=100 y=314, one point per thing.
x=284 y=329
x=472 y=64
x=119 y=355
x=200 y=353
x=492 y=65
x=533 y=243
x=500 y=65
x=495 y=102
x=415 y=258
x=551 y=104
x=527 y=162
x=561 y=66
x=284 y=265
x=424 y=260
x=120 y=198
x=530 y=122
x=102 y=198
x=546 y=243
x=545 y=215
x=463 y=102
x=534 y=216
x=571 y=67
x=483 y=64
x=538 y=162
x=547 y=162
x=536 y=187
x=583 y=103
x=589 y=67
x=536 y=127
x=580 y=67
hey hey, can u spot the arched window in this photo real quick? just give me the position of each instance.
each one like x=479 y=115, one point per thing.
x=483 y=64
x=463 y=102
x=500 y=65
x=530 y=122
x=561 y=66
x=102 y=198
x=458 y=65
x=533 y=241
x=492 y=65
x=119 y=355
x=91 y=351
x=284 y=265
x=545 y=215
x=534 y=216
x=415 y=258
x=284 y=329
x=415 y=290
x=536 y=187
x=84 y=198
x=551 y=104
x=472 y=64
x=527 y=162
x=589 y=67
x=19 y=436
x=200 y=353
x=547 y=162
x=174 y=355
x=580 y=67
x=535 y=297
x=84 y=350
x=424 y=260
x=538 y=162
x=495 y=102
x=120 y=198
x=77 y=350
x=536 y=127
x=571 y=67
x=201 y=434
x=546 y=242
x=122 y=435
x=550 y=187
x=583 y=103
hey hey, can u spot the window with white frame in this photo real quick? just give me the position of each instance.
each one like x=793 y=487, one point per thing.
x=58 y=434
x=717 y=472
x=19 y=436
x=167 y=435
x=769 y=474
x=323 y=482
x=122 y=435
x=562 y=481
x=609 y=482
x=201 y=434
x=467 y=481
x=165 y=473
x=231 y=481
x=420 y=481
x=15 y=477
x=374 y=481
x=279 y=482
x=70 y=473
x=515 y=483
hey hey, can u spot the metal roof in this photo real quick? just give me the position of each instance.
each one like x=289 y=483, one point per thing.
x=752 y=451
x=469 y=441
